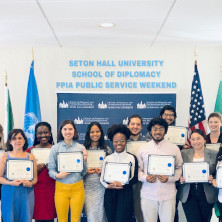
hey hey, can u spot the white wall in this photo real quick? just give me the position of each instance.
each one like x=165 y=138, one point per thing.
x=51 y=65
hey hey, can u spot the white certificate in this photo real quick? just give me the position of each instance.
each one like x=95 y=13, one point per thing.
x=176 y=135
x=95 y=158
x=19 y=169
x=70 y=162
x=213 y=146
x=117 y=172
x=196 y=172
x=41 y=154
x=161 y=165
x=134 y=146
x=219 y=177
x=1 y=152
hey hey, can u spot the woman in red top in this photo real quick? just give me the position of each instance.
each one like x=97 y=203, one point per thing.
x=44 y=209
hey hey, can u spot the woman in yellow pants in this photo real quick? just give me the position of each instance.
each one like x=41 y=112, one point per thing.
x=69 y=186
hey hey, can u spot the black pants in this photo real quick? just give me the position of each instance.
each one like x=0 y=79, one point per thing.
x=44 y=220
x=197 y=209
x=119 y=204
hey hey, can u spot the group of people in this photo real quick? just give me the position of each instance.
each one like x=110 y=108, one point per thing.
x=150 y=198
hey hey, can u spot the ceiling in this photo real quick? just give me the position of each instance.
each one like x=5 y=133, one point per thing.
x=74 y=23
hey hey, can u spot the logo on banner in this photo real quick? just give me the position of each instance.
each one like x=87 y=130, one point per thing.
x=78 y=121
x=141 y=105
x=63 y=105
x=105 y=137
x=125 y=121
x=102 y=105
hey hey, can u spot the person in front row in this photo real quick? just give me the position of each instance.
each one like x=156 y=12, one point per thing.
x=94 y=190
x=118 y=198
x=158 y=194
x=69 y=191
x=198 y=198
x=135 y=125
x=17 y=202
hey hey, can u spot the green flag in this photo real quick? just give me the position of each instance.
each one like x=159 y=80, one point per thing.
x=218 y=104
x=9 y=121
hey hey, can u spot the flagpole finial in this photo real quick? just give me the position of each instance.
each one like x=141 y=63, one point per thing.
x=6 y=78
x=195 y=54
x=221 y=70
x=32 y=53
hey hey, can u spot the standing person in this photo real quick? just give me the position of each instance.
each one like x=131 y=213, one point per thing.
x=44 y=190
x=198 y=198
x=158 y=194
x=214 y=123
x=2 y=147
x=69 y=186
x=135 y=125
x=94 y=190
x=118 y=199
x=2 y=142
x=17 y=195
x=169 y=114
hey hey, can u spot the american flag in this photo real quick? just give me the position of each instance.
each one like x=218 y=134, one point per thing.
x=197 y=118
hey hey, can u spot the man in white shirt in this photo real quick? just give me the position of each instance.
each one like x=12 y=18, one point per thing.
x=158 y=194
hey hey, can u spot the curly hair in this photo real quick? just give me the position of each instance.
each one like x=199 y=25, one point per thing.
x=157 y=121
x=114 y=129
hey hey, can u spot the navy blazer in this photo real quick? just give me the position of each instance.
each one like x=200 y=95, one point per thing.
x=210 y=191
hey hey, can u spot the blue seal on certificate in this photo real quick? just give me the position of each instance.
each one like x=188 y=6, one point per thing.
x=124 y=172
x=204 y=171
x=182 y=135
x=78 y=160
x=169 y=164
x=28 y=169
x=101 y=158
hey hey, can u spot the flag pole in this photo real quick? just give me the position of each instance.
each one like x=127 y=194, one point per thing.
x=6 y=77
x=195 y=54
x=32 y=53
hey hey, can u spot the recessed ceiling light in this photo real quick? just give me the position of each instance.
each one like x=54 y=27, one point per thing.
x=106 y=25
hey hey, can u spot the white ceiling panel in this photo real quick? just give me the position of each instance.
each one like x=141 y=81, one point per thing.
x=74 y=23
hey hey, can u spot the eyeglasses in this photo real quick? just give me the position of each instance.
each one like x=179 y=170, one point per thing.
x=158 y=129
x=119 y=141
x=169 y=114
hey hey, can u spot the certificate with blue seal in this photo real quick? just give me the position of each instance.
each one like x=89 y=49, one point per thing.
x=196 y=172
x=95 y=158
x=71 y=162
x=117 y=172
x=161 y=165
x=176 y=135
x=219 y=175
x=19 y=170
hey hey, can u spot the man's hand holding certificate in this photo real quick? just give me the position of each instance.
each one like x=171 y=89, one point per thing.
x=161 y=165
